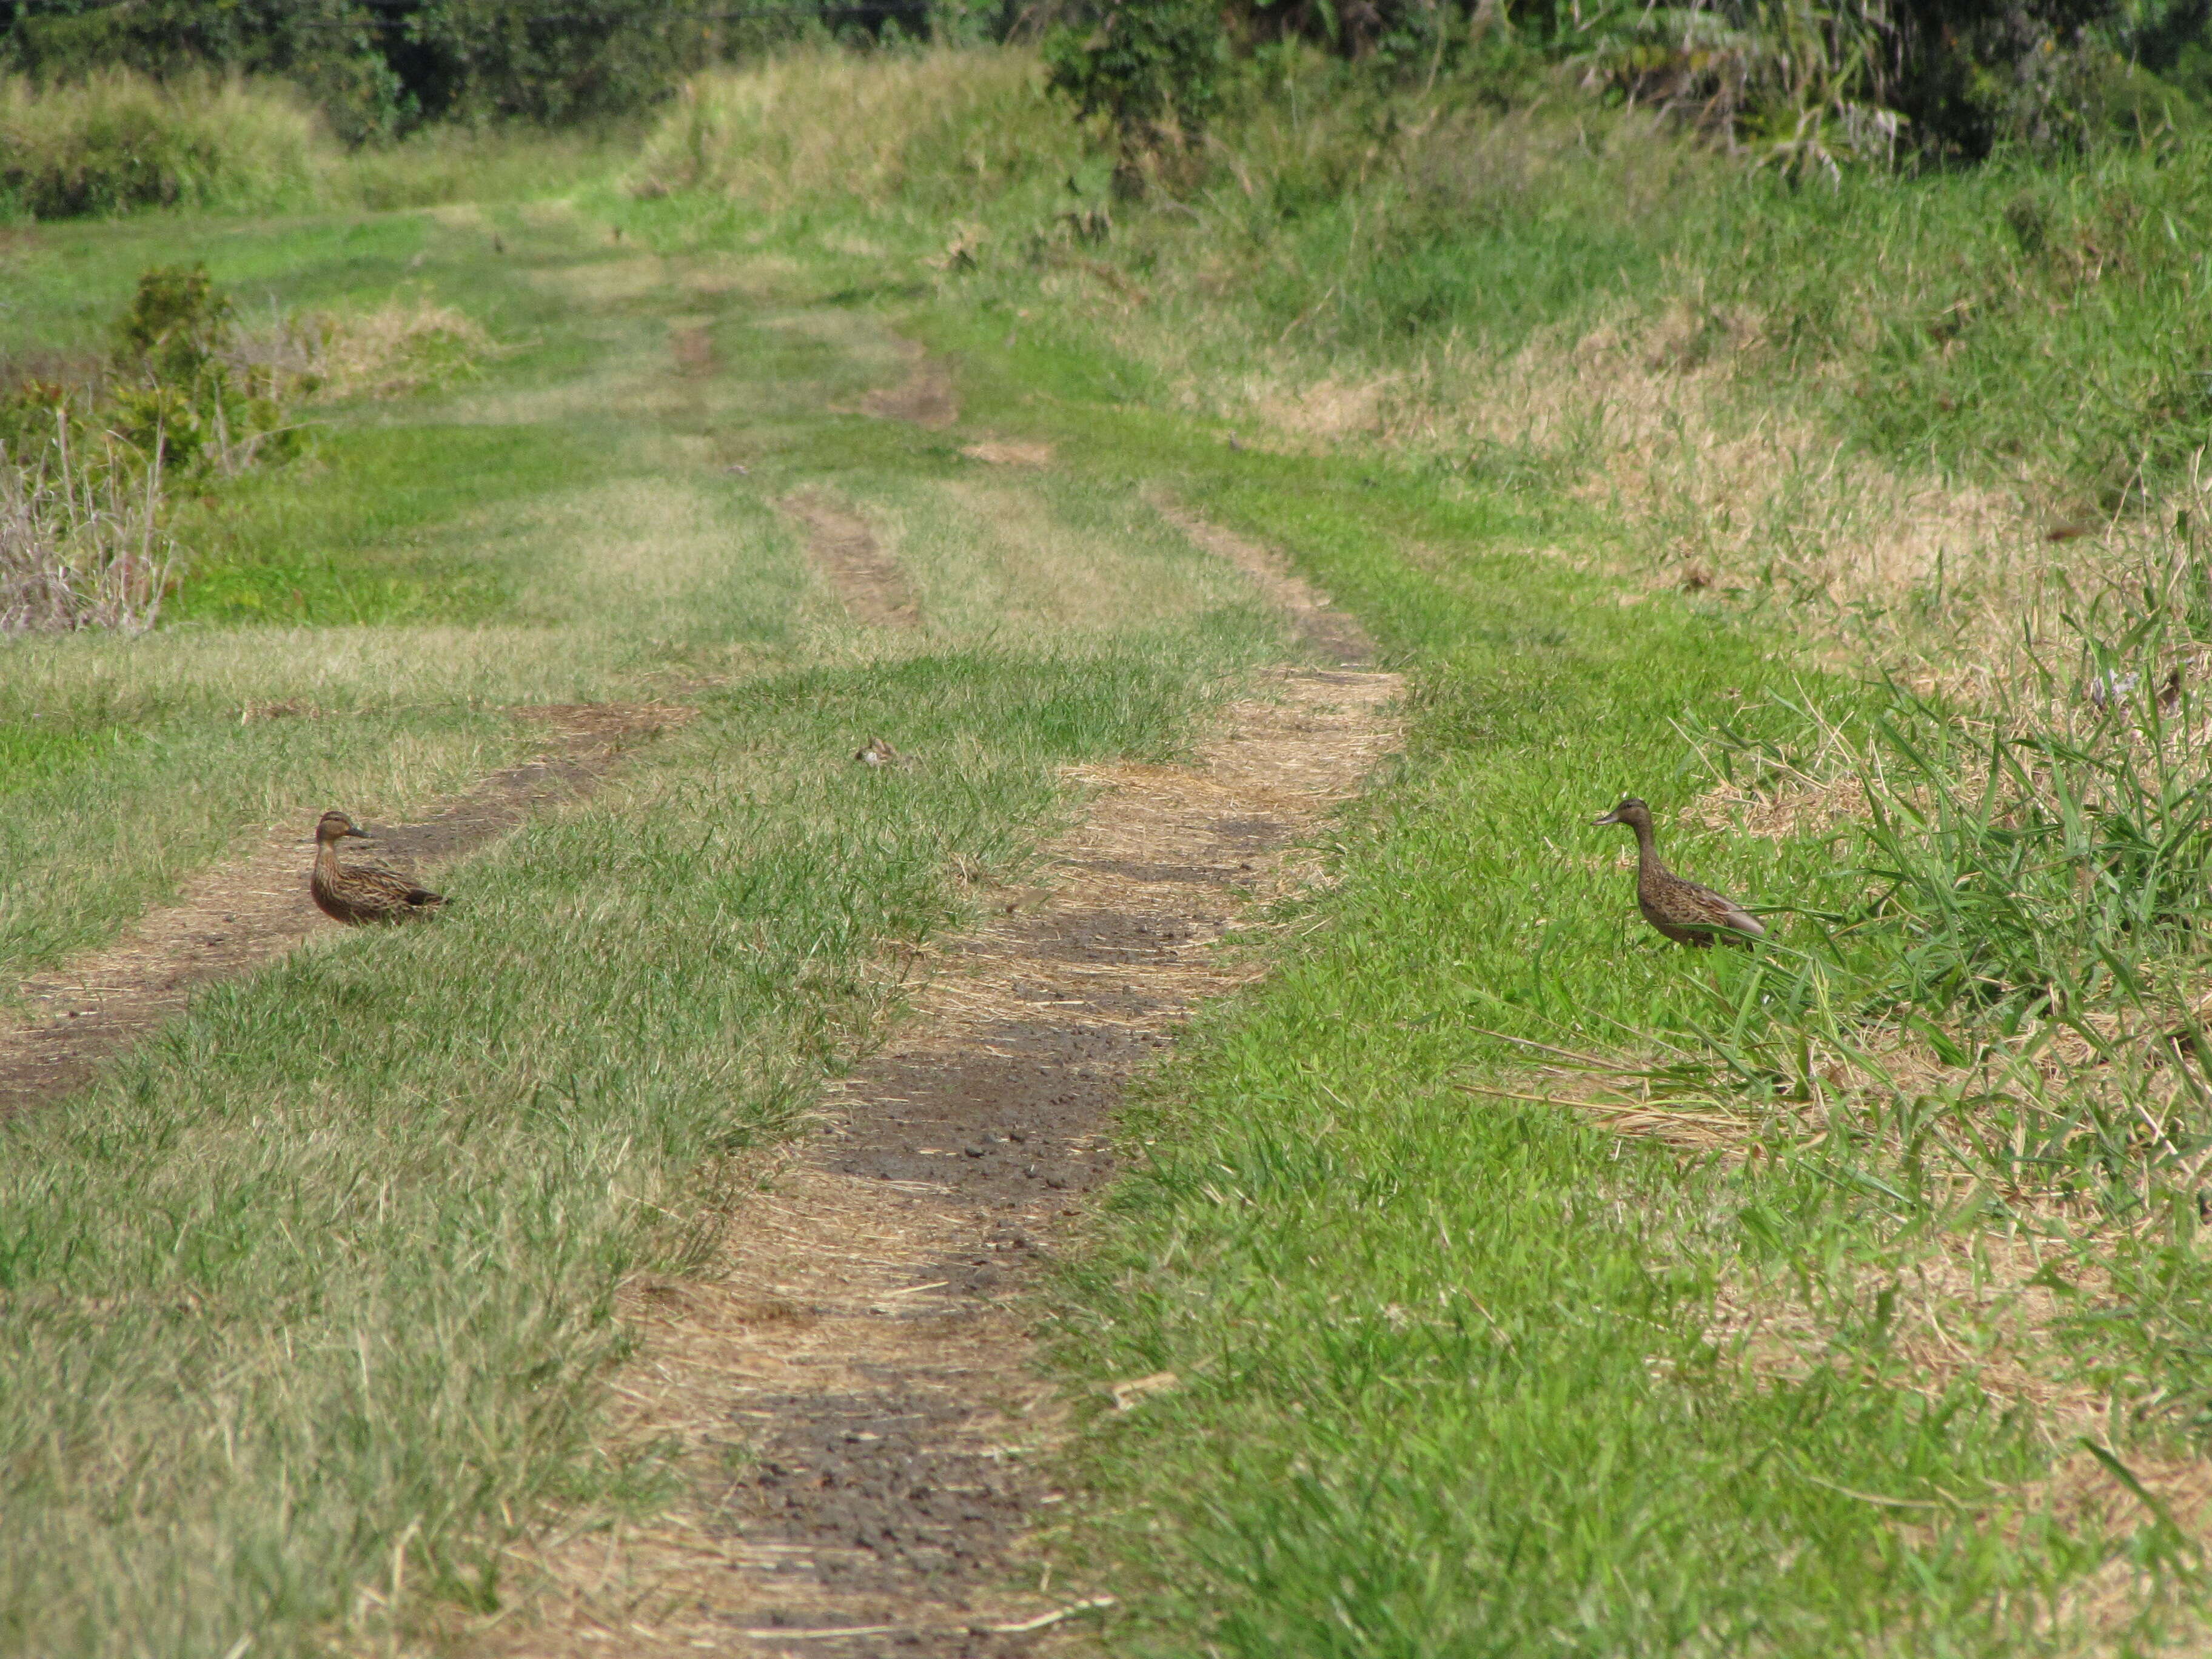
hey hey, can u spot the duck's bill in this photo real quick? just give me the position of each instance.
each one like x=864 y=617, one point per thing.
x=1610 y=817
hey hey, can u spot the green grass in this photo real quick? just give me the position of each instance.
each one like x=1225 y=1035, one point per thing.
x=116 y=140
x=1857 y=405
x=365 y=530
x=1464 y=1373
x=1459 y=1379
x=311 y=1298
x=314 y=1292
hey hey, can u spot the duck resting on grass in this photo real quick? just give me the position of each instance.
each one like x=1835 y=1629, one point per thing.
x=1687 y=912
x=362 y=892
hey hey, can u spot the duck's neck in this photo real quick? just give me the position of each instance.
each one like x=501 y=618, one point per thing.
x=327 y=857
x=1647 y=850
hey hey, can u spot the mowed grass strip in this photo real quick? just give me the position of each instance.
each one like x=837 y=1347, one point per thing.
x=302 y=1311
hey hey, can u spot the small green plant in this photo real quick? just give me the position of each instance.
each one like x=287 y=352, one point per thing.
x=85 y=536
x=1151 y=70
x=178 y=390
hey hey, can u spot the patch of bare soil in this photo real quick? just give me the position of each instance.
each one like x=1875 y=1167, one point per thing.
x=924 y=398
x=868 y=1449
x=233 y=918
x=1333 y=635
x=869 y=582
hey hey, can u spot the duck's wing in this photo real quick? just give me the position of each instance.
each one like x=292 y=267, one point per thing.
x=379 y=886
x=1718 y=909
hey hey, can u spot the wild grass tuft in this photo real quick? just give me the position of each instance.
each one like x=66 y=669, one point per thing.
x=942 y=129
x=81 y=546
x=116 y=140
x=2000 y=979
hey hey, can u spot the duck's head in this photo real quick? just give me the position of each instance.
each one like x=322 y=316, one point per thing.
x=336 y=826
x=1630 y=811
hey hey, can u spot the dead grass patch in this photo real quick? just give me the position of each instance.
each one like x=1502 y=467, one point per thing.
x=401 y=347
x=994 y=452
x=925 y=398
x=1668 y=425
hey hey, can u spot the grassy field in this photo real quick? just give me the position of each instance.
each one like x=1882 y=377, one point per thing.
x=307 y=1303
x=1533 y=1286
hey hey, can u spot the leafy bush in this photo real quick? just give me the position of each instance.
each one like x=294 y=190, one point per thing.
x=1958 y=79
x=378 y=67
x=118 y=141
x=177 y=393
x=1151 y=69
x=482 y=60
x=324 y=47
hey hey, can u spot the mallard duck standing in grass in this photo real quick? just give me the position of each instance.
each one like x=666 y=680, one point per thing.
x=362 y=892
x=1687 y=912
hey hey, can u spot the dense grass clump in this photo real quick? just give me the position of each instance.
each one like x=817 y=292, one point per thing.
x=942 y=130
x=116 y=140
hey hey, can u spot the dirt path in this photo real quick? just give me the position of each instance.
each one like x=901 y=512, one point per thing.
x=867 y=1443
x=874 y=589
x=1330 y=633
x=242 y=913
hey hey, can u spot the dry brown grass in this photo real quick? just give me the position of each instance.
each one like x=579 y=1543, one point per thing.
x=81 y=544
x=403 y=346
x=1722 y=486
x=994 y=452
x=973 y=117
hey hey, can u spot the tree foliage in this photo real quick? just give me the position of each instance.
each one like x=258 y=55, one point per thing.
x=1151 y=68
x=379 y=66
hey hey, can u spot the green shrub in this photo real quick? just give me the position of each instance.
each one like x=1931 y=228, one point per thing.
x=176 y=390
x=374 y=68
x=117 y=140
x=1151 y=69
x=84 y=515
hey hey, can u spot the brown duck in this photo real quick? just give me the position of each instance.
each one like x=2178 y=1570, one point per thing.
x=1687 y=912
x=362 y=892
